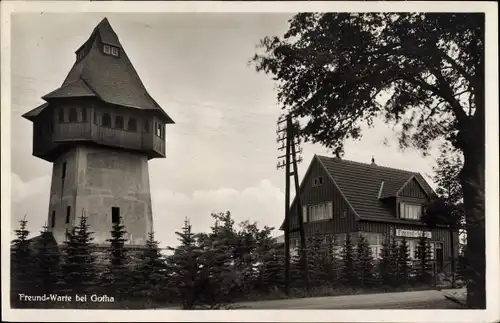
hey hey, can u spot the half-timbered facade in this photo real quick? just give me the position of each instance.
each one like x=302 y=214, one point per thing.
x=341 y=196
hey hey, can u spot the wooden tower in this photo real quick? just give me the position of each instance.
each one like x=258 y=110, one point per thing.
x=99 y=129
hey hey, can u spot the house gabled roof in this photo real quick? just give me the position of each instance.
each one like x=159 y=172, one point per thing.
x=361 y=184
x=111 y=79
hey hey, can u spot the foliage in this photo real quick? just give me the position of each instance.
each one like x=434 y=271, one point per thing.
x=364 y=263
x=21 y=278
x=150 y=278
x=348 y=273
x=403 y=259
x=47 y=267
x=78 y=267
x=185 y=267
x=116 y=278
x=424 y=270
x=336 y=71
x=388 y=264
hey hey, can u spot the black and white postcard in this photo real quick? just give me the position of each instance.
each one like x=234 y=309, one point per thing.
x=288 y=161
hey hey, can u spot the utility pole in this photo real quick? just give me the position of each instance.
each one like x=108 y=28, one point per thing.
x=288 y=144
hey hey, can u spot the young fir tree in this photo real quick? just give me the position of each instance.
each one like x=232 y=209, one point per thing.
x=424 y=270
x=272 y=270
x=151 y=272
x=348 y=274
x=47 y=264
x=385 y=270
x=21 y=262
x=116 y=278
x=79 y=272
x=394 y=251
x=403 y=259
x=185 y=266
x=364 y=263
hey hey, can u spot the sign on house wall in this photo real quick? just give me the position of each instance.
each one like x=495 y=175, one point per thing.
x=413 y=233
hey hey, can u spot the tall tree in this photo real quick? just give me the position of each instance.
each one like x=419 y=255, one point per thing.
x=448 y=209
x=78 y=268
x=116 y=278
x=21 y=258
x=337 y=69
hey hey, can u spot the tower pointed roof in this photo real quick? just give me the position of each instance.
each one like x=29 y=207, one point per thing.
x=110 y=78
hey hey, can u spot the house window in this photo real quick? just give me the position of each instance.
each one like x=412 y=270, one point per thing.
x=119 y=122
x=304 y=214
x=61 y=114
x=132 y=124
x=320 y=180
x=107 y=49
x=95 y=117
x=320 y=212
x=106 y=120
x=315 y=182
x=375 y=241
x=410 y=211
x=53 y=219
x=84 y=114
x=114 y=51
x=115 y=214
x=146 y=126
x=68 y=213
x=73 y=115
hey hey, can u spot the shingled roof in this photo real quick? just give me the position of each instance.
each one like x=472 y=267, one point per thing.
x=361 y=184
x=111 y=79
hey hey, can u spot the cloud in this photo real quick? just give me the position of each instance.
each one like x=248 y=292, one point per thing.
x=23 y=190
x=262 y=203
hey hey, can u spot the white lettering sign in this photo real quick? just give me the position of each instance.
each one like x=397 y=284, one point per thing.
x=413 y=233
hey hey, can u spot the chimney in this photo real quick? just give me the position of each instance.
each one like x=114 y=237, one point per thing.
x=373 y=161
x=337 y=152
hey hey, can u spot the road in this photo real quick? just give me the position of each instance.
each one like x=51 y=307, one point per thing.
x=430 y=299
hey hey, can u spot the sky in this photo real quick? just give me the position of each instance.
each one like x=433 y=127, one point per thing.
x=222 y=149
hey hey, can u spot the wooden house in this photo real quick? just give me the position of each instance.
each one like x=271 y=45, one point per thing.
x=340 y=196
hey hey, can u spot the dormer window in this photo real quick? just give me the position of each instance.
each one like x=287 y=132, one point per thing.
x=410 y=211
x=111 y=50
x=107 y=49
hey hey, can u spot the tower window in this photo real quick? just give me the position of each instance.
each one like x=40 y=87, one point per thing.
x=95 y=117
x=61 y=114
x=132 y=124
x=53 y=219
x=64 y=170
x=119 y=122
x=73 y=116
x=106 y=120
x=68 y=213
x=84 y=114
x=115 y=214
x=114 y=51
x=158 y=130
x=107 y=49
x=146 y=126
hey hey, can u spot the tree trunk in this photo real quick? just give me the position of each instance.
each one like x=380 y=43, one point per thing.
x=472 y=180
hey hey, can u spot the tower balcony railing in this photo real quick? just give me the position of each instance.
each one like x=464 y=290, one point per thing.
x=71 y=131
